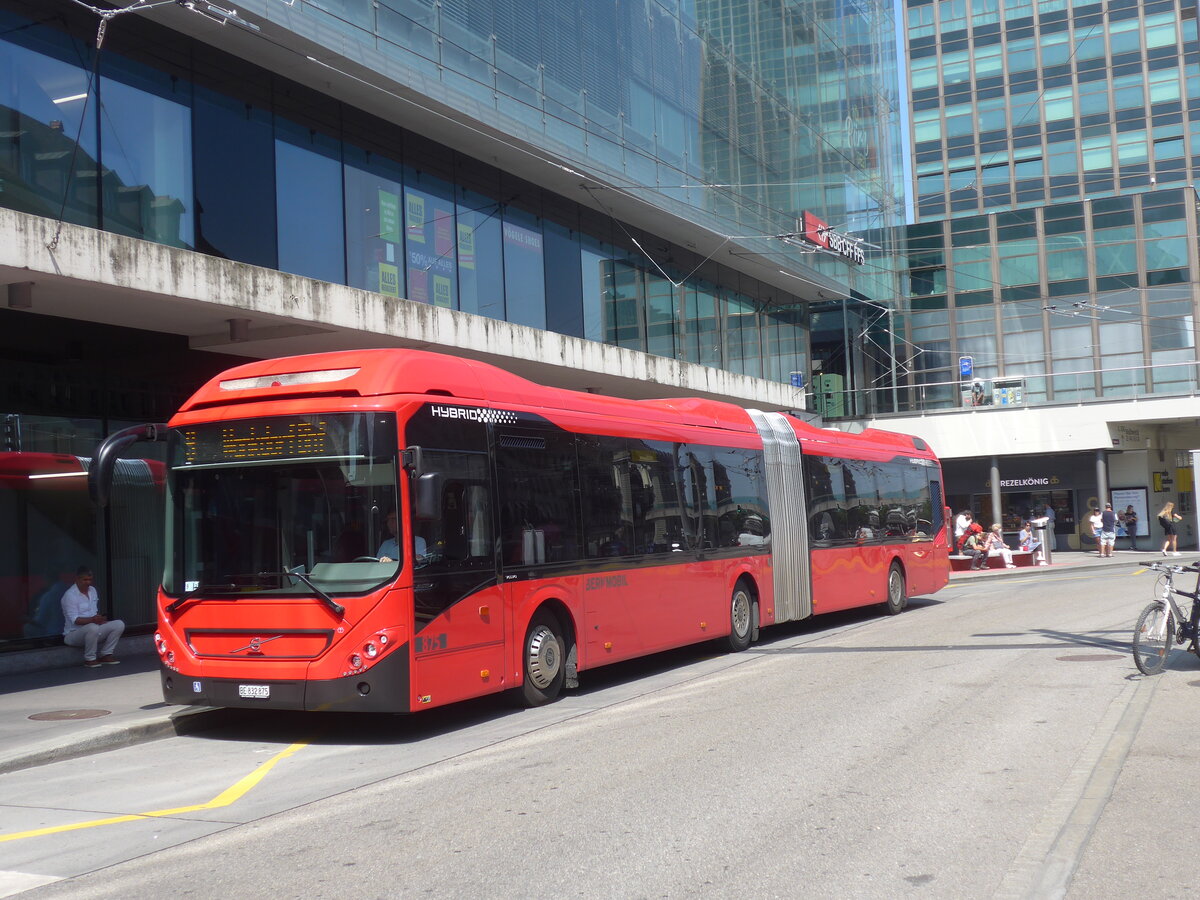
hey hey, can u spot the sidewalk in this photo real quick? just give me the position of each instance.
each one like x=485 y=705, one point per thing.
x=1081 y=560
x=82 y=711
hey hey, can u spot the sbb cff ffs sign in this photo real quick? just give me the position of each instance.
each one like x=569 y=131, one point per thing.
x=815 y=231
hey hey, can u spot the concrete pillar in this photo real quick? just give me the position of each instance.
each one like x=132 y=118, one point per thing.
x=1102 y=479
x=997 y=510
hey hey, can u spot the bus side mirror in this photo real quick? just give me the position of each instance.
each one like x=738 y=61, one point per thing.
x=427 y=496
x=411 y=460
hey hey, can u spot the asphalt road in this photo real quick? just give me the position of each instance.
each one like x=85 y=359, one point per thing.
x=994 y=740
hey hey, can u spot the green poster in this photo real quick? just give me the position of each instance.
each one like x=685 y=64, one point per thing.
x=389 y=216
x=441 y=291
x=389 y=280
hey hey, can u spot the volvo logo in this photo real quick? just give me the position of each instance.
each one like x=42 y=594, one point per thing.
x=256 y=643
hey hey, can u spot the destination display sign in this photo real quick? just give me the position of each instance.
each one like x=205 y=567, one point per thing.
x=310 y=437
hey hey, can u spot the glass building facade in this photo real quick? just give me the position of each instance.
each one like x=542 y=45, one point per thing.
x=726 y=118
x=1053 y=148
x=734 y=116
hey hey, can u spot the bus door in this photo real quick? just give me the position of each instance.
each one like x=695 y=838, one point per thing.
x=459 y=617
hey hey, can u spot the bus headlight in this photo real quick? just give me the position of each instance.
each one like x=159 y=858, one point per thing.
x=355 y=661
x=371 y=650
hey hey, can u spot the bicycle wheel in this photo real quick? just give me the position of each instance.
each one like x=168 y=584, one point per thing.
x=1153 y=638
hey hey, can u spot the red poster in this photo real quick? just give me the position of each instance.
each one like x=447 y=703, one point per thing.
x=418 y=285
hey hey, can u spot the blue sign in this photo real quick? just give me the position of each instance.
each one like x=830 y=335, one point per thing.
x=797 y=379
x=966 y=366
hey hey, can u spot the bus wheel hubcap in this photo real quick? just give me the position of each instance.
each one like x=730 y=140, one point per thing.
x=544 y=657
x=741 y=612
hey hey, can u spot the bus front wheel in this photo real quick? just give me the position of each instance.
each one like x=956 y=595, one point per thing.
x=544 y=659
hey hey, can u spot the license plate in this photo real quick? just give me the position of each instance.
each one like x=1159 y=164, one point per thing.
x=255 y=691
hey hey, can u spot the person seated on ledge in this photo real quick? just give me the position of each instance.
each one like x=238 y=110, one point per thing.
x=83 y=626
x=995 y=546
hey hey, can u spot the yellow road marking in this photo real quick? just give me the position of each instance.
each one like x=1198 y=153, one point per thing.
x=225 y=798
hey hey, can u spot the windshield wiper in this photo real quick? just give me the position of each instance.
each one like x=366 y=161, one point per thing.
x=204 y=588
x=337 y=608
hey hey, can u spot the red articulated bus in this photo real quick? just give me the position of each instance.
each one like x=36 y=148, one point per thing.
x=393 y=530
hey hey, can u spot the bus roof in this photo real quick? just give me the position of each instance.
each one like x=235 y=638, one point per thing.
x=382 y=372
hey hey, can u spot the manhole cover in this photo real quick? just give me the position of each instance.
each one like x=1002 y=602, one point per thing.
x=59 y=714
x=1088 y=657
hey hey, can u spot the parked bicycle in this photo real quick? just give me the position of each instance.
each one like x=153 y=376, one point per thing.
x=1164 y=623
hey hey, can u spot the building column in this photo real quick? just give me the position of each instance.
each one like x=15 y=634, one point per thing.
x=997 y=512
x=1102 y=479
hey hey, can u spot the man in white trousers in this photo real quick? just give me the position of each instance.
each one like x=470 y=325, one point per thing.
x=83 y=626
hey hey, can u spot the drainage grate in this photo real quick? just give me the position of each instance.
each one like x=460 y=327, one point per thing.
x=1089 y=657
x=57 y=715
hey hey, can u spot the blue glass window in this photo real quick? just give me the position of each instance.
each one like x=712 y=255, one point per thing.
x=42 y=114
x=524 y=270
x=564 y=305
x=480 y=255
x=146 y=133
x=309 y=204
x=234 y=162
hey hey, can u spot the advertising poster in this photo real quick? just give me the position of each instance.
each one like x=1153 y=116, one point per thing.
x=442 y=295
x=389 y=280
x=443 y=227
x=418 y=285
x=414 y=216
x=1122 y=499
x=466 y=247
x=389 y=217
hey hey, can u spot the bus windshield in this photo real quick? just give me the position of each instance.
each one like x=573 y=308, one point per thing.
x=254 y=504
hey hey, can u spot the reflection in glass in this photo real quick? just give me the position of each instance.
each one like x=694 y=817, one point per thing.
x=235 y=179
x=480 y=255
x=308 y=197
x=429 y=237
x=374 y=246
x=42 y=108
x=147 y=140
x=524 y=271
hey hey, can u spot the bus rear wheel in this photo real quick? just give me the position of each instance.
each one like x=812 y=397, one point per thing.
x=897 y=591
x=544 y=655
x=741 y=618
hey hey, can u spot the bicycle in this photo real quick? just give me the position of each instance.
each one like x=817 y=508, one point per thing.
x=1163 y=622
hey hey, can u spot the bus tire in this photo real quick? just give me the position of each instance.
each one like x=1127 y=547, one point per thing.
x=544 y=659
x=897 y=591
x=741 y=618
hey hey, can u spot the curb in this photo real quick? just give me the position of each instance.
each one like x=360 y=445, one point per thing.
x=98 y=740
x=1089 y=565
x=20 y=662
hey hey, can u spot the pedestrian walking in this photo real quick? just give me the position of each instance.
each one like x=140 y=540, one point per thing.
x=1051 y=536
x=1167 y=518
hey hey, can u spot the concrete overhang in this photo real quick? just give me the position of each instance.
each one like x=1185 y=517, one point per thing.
x=1170 y=422
x=234 y=308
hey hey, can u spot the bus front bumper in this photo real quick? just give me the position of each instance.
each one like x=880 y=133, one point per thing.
x=382 y=688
